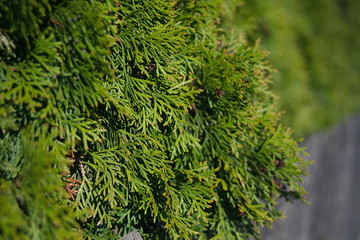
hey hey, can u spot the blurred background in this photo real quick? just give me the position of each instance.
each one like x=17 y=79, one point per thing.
x=315 y=47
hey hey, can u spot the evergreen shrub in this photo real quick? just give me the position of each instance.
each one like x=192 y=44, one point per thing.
x=137 y=114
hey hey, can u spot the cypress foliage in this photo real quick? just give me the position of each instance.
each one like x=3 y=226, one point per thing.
x=137 y=115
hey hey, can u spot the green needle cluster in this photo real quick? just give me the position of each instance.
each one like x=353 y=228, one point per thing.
x=137 y=114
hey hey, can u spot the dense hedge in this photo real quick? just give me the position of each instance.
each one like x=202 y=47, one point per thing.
x=136 y=115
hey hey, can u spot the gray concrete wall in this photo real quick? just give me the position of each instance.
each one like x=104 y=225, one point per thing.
x=333 y=187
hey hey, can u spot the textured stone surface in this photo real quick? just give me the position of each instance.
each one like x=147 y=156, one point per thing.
x=333 y=186
x=134 y=235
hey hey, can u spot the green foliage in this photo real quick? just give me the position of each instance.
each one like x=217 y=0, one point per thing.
x=33 y=197
x=314 y=45
x=137 y=115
